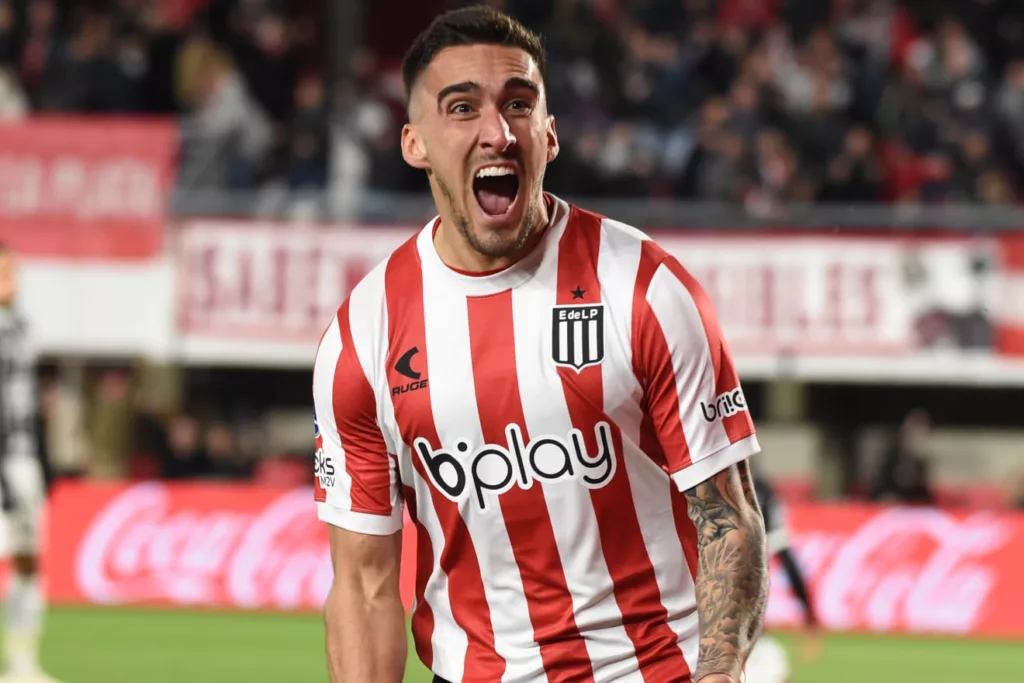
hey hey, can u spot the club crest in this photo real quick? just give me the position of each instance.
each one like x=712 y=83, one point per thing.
x=577 y=335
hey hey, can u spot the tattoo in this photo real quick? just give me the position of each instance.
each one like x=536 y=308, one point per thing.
x=732 y=573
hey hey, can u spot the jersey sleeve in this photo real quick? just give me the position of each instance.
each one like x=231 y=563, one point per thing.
x=355 y=483
x=693 y=394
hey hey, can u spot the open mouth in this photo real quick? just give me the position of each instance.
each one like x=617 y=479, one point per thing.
x=496 y=188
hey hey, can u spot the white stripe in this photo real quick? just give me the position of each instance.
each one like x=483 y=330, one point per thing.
x=593 y=338
x=572 y=512
x=448 y=640
x=369 y=324
x=577 y=343
x=563 y=341
x=338 y=496
x=650 y=486
x=456 y=416
x=683 y=328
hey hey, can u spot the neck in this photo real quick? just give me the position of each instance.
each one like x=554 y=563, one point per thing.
x=456 y=252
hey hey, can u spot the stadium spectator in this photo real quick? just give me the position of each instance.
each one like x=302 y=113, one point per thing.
x=109 y=426
x=310 y=137
x=902 y=476
x=226 y=460
x=186 y=457
x=840 y=101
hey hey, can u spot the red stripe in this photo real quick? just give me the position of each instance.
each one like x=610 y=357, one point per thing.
x=685 y=529
x=525 y=511
x=652 y=363
x=740 y=425
x=645 y=618
x=423 y=615
x=356 y=417
x=415 y=417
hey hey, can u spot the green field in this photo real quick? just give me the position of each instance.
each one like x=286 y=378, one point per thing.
x=128 y=645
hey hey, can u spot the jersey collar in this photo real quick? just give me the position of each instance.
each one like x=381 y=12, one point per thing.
x=513 y=276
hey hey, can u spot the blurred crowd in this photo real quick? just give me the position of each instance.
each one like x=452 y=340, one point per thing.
x=244 y=76
x=760 y=102
x=756 y=102
x=119 y=422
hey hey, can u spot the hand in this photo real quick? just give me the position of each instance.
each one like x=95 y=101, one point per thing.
x=717 y=678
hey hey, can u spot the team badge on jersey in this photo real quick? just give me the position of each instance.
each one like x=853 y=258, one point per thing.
x=577 y=335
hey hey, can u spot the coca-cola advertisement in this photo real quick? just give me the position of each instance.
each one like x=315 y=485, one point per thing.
x=910 y=570
x=236 y=546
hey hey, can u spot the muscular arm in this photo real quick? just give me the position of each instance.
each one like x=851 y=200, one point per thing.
x=364 y=616
x=732 y=575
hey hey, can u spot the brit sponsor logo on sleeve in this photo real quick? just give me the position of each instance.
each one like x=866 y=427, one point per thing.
x=493 y=470
x=725 y=405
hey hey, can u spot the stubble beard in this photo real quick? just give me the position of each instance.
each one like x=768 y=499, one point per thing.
x=495 y=245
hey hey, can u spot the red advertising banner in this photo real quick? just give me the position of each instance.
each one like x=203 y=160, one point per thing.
x=875 y=569
x=1011 y=303
x=820 y=298
x=82 y=188
x=209 y=545
x=907 y=570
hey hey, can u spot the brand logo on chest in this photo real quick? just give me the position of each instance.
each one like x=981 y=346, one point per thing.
x=405 y=368
x=491 y=470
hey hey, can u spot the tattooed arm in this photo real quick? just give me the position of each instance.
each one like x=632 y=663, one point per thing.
x=732 y=575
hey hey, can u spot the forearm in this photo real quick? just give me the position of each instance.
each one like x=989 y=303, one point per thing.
x=732 y=574
x=366 y=640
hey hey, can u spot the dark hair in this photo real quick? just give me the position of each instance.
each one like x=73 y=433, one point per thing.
x=477 y=25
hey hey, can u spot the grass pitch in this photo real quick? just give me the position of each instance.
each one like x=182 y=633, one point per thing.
x=127 y=645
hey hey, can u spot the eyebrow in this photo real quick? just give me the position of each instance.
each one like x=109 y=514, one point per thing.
x=471 y=86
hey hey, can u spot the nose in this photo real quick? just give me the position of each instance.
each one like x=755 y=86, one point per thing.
x=495 y=133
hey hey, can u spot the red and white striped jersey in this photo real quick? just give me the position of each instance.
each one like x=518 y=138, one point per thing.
x=538 y=424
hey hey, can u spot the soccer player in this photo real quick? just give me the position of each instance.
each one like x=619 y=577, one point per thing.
x=22 y=485
x=549 y=396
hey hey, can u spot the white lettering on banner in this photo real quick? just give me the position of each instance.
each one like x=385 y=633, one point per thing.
x=272 y=282
x=1011 y=299
x=266 y=291
x=113 y=188
x=921 y=571
x=136 y=550
x=797 y=293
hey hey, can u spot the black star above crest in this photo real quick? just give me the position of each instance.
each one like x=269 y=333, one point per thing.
x=578 y=293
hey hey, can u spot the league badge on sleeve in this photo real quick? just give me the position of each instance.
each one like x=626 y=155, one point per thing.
x=577 y=335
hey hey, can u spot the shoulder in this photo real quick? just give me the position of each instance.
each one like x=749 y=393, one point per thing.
x=359 y=328
x=365 y=306
x=610 y=232
x=625 y=243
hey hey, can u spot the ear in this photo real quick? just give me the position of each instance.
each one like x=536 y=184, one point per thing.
x=413 y=150
x=552 y=139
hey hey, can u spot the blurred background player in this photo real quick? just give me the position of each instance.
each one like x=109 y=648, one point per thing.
x=22 y=486
x=768 y=662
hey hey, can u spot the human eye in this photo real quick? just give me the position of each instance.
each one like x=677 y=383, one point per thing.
x=520 y=105
x=460 y=108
